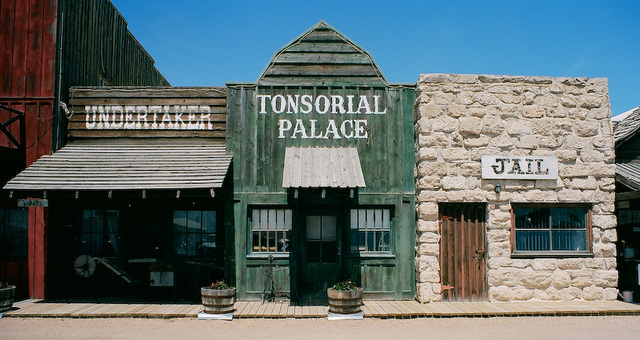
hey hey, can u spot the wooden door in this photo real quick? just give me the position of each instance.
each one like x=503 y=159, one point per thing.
x=321 y=256
x=463 y=251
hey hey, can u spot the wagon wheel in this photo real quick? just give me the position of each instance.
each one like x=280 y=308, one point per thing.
x=84 y=265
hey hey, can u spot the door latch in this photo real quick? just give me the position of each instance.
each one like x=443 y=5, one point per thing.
x=480 y=254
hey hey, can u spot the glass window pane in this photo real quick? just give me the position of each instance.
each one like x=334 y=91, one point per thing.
x=532 y=240
x=574 y=240
x=314 y=228
x=209 y=222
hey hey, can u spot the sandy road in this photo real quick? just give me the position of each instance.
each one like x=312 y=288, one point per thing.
x=611 y=327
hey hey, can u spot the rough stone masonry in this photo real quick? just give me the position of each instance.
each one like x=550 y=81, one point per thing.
x=460 y=118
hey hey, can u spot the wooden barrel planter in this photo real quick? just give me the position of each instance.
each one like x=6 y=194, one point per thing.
x=345 y=302
x=218 y=301
x=6 y=298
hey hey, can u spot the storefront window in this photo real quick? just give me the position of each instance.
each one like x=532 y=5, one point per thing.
x=100 y=232
x=194 y=233
x=13 y=232
x=271 y=230
x=370 y=231
x=551 y=229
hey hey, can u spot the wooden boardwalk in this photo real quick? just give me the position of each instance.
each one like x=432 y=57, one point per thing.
x=371 y=309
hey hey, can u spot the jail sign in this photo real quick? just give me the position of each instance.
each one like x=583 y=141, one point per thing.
x=519 y=167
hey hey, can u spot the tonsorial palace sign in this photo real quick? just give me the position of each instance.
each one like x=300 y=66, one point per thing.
x=321 y=106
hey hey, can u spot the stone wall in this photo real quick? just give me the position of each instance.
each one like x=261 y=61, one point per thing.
x=460 y=118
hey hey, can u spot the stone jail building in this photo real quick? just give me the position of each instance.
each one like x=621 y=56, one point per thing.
x=545 y=239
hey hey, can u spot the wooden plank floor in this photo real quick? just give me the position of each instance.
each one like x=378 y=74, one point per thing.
x=371 y=309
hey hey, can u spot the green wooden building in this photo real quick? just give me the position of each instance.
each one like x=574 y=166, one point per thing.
x=323 y=173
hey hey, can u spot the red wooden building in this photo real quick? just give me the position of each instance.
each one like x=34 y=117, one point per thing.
x=49 y=46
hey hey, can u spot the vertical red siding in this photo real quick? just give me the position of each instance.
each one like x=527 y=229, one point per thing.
x=27 y=81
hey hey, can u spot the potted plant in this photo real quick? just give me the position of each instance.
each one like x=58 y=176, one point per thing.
x=345 y=298
x=219 y=298
x=7 y=292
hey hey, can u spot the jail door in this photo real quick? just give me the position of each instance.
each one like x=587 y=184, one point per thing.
x=463 y=251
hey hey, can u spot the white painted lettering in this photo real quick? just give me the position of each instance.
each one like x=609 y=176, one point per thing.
x=263 y=102
x=337 y=104
x=283 y=126
x=318 y=104
x=274 y=103
x=299 y=128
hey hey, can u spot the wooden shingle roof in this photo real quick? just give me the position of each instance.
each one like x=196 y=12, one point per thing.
x=127 y=165
x=322 y=56
x=628 y=127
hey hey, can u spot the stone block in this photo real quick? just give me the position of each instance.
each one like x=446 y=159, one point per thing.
x=567 y=156
x=566 y=195
x=591 y=156
x=432 y=78
x=430 y=111
x=604 y=221
x=604 y=142
x=430 y=276
x=593 y=293
x=561 y=279
x=544 y=264
x=428 y=226
x=594 y=263
x=444 y=124
x=572 y=293
x=443 y=98
x=570 y=264
x=605 y=278
x=476 y=142
x=584 y=183
x=454 y=154
x=500 y=294
x=523 y=294
x=432 y=168
x=527 y=142
x=586 y=128
x=518 y=127
x=492 y=126
x=428 y=211
x=498 y=235
x=425 y=154
x=535 y=279
x=604 y=250
x=533 y=112
x=429 y=249
x=428 y=182
x=551 y=142
x=502 y=141
x=502 y=277
x=470 y=125
x=429 y=237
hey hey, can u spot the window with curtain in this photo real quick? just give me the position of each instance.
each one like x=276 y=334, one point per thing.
x=370 y=231
x=100 y=232
x=551 y=229
x=13 y=232
x=271 y=230
x=194 y=233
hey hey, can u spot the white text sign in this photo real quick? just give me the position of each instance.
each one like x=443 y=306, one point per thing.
x=519 y=167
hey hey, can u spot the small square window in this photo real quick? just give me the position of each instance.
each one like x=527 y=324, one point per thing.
x=271 y=231
x=371 y=231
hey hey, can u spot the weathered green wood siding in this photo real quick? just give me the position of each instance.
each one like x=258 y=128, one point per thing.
x=323 y=62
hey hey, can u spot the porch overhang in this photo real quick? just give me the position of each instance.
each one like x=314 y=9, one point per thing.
x=176 y=164
x=322 y=168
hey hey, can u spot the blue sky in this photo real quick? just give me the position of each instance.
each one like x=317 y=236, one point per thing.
x=209 y=43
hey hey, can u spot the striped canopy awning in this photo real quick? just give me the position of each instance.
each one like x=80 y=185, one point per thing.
x=322 y=168
x=127 y=165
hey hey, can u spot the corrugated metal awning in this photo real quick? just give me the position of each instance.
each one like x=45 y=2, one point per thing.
x=322 y=168
x=628 y=174
x=127 y=165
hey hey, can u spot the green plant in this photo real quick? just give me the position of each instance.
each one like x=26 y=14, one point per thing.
x=4 y=285
x=345 y=286
x=219 y=285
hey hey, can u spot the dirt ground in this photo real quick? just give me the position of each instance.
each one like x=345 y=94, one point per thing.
x=584 y=327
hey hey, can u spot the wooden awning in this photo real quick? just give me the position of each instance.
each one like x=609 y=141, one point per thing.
x=322 y=168
x=128 y=165
x=628 y=174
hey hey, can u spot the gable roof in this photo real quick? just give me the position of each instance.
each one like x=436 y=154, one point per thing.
x=322 y=56
x=628 y=127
